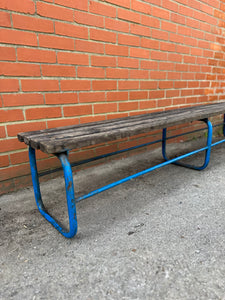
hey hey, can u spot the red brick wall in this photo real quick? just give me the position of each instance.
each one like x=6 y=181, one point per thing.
x=67 y=62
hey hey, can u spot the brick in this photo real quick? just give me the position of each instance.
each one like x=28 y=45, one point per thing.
x=183 y=30
x=140 y=30
x=10 y=36
x=88 y=46
x=141 y=7
x=2 y=132
x=156 y=94
x=89 y=119
x=106 y=149
x=116 y=73
x=105 y=108
x=62 y=122
x=10 y=172
x=14 y=129
x=176 y=18
x=160 y=13
x=4 y=161
x=117 y=96
x=32 y=85
x=148 y=85
x=160 y=35
x=11 y=115
x=75 y=85
x=150 y=21
x=175 y=57
x=126 y=106
x=124 y=3
x=166 y=84
x=23 y=6
x=128 y=85
x=56 y=42
x=176 y=38
x=170 y=5
x=168 y=26
x=91 y=97
x=7 y=53
x=10 y=145
x=77 y=4
x=77 y=110
x=58 y=71
x=88 y=19
x=54 y=12
x=32 y=23
x=138 y=74
x=129 y=15
x=116 y=115
x=138 y=52
x=116 y=50
x=61 y=98
x=11 y=100
x=164 y=102
x=174 y=75
x=125 y=39
x=172 y=93
x=90 y=72
x=102 y=35
x=136 y=95
x=104 y=85
x=72 y=58
x=9 y=85
x=43 y=113
x=166 y=66
x=19 y=69
x=158 y=55
x=116 y=25
x=164 y=46
x=149 y=43
x=36 y=55
x=19 y=158
x=62 y=28
x=5 y=19
x=125 y=62
x=102 y=9
x=157 y=75
x=103 y=61
x=147 y=104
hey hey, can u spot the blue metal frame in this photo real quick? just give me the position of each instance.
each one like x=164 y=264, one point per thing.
x=68 y=176
x=207 y=152
x=71 y=204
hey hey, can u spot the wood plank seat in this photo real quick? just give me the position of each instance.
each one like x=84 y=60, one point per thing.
x=62 y=139
x=59 y=141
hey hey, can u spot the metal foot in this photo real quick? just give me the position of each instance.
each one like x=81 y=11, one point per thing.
x=63 y=157
x=207 y=151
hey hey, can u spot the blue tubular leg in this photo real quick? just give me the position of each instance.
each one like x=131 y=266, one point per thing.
x=207 y=152
x=63 y=157
x=224 y=124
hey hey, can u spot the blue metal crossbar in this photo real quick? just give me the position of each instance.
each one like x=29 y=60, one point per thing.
x=71 y=201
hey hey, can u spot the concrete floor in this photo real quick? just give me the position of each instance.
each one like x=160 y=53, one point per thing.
x=160 y=236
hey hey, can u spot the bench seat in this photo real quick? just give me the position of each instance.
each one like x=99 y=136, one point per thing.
x=61 y=139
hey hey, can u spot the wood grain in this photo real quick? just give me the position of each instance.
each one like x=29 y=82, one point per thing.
x=60 y=139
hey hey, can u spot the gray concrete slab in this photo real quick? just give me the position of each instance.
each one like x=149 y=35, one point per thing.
x=160 y=236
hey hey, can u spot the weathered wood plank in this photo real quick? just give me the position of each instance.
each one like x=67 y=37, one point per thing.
x=61 y=139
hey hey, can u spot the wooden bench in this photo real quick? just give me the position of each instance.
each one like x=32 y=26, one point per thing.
x=59 y=141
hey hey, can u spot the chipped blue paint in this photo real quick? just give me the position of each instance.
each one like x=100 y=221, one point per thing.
x=69 y=194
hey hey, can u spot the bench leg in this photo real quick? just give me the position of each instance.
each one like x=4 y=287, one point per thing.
x=207 y=152
x=63 y=157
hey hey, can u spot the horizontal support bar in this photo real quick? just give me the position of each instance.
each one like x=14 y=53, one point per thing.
x=111 y=185
x=121 y=151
